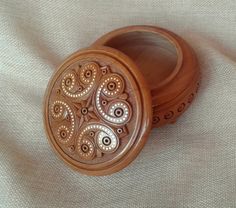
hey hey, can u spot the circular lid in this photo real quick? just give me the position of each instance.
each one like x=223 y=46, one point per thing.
x=97 y=111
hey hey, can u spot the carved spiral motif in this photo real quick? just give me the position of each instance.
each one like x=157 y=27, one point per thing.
x=169 y=115
x=156 y=119
x=107 y=141
x=86 y=81
x=57 y=109
x=86 y=148
x=93 y=100
x=112 y=85
x=190 y=98
x=181 y=107
x=119 y=111
x=64 y=134
x=172 y=113
x=60 y=111
x=105 y=138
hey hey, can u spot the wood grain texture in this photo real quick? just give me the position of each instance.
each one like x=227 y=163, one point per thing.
x=102 y=101
x=167 y=62
x=97 y=111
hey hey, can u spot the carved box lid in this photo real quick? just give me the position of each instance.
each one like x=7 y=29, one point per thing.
x=97 y=111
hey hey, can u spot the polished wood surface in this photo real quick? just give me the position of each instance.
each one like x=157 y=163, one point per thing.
x=167 y=62
x=101 y=103
x=97 y=111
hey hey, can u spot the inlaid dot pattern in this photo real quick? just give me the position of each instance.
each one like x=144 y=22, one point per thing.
x=87 y=76
x=64 y=112
x=106 y=138
x=86 y=149
x=113 y=85
x=119 y=112
x=88 y=109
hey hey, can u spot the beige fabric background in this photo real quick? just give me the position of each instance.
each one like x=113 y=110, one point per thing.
x=189 y=164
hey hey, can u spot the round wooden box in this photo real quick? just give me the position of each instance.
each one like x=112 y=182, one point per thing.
x=167 y=62
x=102 y=101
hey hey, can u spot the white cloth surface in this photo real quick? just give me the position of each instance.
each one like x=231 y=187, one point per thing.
x=188 y=164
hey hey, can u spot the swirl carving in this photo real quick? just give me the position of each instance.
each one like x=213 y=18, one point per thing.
x=106 y=139
x=118 y=111
x=61 y=111
x=77 y=85
x=173 y=112
x=90 y=111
